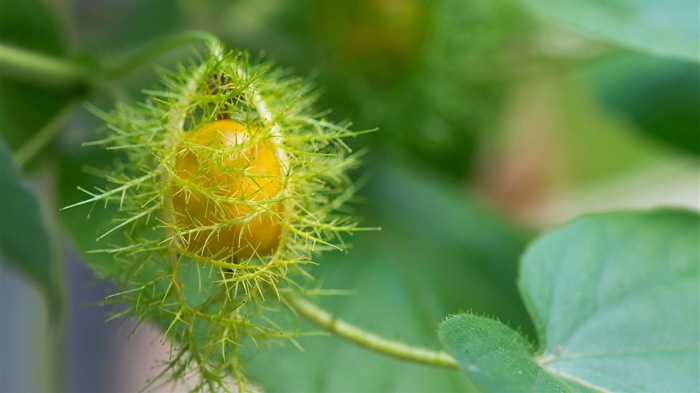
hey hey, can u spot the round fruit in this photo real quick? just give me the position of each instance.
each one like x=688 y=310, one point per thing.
x=228 y=200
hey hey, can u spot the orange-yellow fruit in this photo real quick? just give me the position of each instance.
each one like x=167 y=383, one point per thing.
x=230 y=198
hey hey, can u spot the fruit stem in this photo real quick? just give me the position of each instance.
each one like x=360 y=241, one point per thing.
x=369 y=340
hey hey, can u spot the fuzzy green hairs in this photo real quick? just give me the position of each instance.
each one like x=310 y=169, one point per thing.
x=229 y=183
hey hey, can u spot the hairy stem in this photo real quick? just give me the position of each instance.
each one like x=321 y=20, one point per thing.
x=376 y=343
x=41 y=69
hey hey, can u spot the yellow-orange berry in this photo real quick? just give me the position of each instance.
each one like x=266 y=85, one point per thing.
x=228 y=200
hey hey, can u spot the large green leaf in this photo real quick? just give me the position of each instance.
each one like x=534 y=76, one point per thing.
x=438 y=252
x=662 y=28
x=615 y=300
x=24 y=240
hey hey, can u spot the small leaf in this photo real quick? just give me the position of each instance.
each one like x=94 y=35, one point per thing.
x=615 y=301
x=24 y=240
x=661 y=28
x=497 y=358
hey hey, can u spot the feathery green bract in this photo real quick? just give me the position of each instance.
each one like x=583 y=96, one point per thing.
x=210 y=306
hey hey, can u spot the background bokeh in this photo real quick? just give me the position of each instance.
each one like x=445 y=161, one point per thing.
x=496 y=120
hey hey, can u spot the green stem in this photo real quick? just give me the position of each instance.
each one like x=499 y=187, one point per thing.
x=368 y=340
x=45 y=70
x=126 y=63
x=38 y=68
x=41 y=69
x=46 y=134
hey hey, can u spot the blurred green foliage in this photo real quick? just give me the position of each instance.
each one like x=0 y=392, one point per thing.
x=660 y=97
x=26 y=241
x=666 y=29
x=440 y=79
x=438 y=253
x=432 y=75
x=25 y=107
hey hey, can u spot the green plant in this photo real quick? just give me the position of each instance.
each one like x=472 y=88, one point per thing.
x=221 y=199
x=216 y=218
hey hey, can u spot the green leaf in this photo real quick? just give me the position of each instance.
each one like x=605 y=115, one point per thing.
x=437 y=251
x=661 y=28
x=497 y=358
x=614 y=299
x=24 y=240
x=660 y=96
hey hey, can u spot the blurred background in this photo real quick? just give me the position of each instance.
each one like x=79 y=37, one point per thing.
x=497 y=120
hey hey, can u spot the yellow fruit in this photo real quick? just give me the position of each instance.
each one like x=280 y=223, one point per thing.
x=227 y=203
